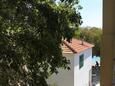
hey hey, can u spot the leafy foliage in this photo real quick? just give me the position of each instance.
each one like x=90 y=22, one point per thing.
x=31 y=32
x=91 y=35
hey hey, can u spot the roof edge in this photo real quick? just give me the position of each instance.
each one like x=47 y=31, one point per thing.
x=74 y=51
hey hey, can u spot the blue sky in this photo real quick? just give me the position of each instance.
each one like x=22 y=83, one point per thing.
x=91 y=13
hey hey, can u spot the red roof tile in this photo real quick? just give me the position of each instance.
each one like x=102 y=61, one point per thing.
x=75 y=46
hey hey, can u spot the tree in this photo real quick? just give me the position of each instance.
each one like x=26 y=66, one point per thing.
x=31 y=33
x=91 y=35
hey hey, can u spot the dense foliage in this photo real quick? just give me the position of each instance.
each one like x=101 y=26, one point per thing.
x=31 y=32
x=91 y=35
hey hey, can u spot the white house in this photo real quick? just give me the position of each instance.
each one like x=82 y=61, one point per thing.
x=80 y=55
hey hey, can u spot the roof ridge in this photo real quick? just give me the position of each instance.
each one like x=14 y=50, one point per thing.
x=84 y=42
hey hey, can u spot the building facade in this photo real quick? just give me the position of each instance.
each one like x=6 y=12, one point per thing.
x=80 y=55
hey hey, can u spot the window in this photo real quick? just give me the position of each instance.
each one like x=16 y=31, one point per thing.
x=81 y=61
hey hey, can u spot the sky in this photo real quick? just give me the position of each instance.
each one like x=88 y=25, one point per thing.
x=91 y=13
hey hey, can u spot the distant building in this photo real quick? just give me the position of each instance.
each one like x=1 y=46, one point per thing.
x=80 y=55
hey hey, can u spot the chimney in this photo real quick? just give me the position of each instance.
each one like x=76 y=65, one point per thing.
x=82 y=42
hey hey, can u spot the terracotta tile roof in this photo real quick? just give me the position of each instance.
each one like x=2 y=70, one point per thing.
x=75 y=46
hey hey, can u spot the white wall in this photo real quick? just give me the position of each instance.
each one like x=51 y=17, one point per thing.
x=64 y=77
x=83 y=75
x=75 y=76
